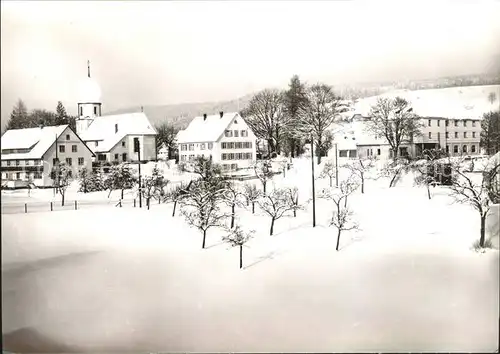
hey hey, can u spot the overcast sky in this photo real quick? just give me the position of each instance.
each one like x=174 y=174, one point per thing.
x=175 y=52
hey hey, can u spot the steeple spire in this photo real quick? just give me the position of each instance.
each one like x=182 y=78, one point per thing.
x=88 y=68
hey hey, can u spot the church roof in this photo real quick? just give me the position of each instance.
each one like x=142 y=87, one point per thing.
x=206 y=130
x=110 y=130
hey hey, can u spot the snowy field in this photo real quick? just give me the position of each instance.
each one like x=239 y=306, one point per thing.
x=116 y=279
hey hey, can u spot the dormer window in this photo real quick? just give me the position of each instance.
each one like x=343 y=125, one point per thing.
x=67 y=137
x=116 y=128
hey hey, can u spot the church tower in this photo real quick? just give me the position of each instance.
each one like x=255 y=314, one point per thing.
x=89 y=103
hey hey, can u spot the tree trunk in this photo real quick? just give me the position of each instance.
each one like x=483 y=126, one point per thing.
x=483 y=230
x=338 y=240
x=264 y=186
x=319 y=157
x=62 y=198
x=122 y=192
x=253 y=207
x=148 y=201
x=428 y=191
x=232 y=216
x=110 y=190
x=272 y=227
x=330 y=181
x=393 y=179
x=292 y=148
x=204 y=238
x=175 y=205
x=294 y=213
x=284 y=172
x=362 y=184
x=241 y=256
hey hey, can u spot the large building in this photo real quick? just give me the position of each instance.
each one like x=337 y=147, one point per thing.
x=224 y=137
x=28 y=155
x=111 y=137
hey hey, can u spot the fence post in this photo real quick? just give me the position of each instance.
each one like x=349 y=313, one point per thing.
x=25 y=207
x=76 y=205
x=51 y=207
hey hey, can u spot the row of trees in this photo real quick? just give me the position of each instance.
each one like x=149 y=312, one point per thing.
x=21 y=118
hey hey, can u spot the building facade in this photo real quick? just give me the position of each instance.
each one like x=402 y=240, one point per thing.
x=29 y=155
x=225 y=138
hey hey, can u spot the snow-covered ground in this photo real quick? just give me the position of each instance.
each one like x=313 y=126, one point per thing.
x=115 y=279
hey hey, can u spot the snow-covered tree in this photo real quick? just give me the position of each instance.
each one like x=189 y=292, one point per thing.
x=465 y=189
x=84 y=177
x=394 y=170
x=426 y=169
x=276 y=204
x=121 y=177
x=206 y=168
x=237 y=237
x=96 y=181
x=293 y=196
x=263 y=172
x=317 y=115
x=295 y=98
x=361 y=168
x=153 y=186
x=233 y=196
x=394 y=120
x=62 y=176
x=201 y=207
x=252 y=194
x=342 y=217
x=329 y=170
x=175 y=194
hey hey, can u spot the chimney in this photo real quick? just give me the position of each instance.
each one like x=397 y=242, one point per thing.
x=116 y=128
x=221 y=114
x=204 y=116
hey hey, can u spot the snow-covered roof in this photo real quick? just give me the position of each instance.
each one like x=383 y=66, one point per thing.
x=206 y=130
x=89 y=91
x=469 y=102
x=102 y=129
x=353 y=134
x=41 y=139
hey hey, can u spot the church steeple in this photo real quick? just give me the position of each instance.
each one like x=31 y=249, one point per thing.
x=88 y=68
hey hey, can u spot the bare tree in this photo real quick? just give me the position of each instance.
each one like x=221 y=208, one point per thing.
x=175 y=194
x=263 y=172
x=167 y=133
x=293 y=195
x=394 y=120
x=252 y=194
x=266 y=117
x=233 y=197
x=361 y=168
x=426 y=169
x=201 y=207
x=394 y=170
x=317 y=115
x=465 y=190
x=276 y=204
x=206 y=168
x=237 y=237
x=62 y=176
x=342 y=217
x=329 y=170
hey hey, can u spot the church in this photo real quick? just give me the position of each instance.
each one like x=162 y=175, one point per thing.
x=111 y=138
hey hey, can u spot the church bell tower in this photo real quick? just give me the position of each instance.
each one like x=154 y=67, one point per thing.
x=89 y=102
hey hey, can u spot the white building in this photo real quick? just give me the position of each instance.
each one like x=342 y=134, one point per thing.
x=111 y=137
x=224 y=137
x=28 y=155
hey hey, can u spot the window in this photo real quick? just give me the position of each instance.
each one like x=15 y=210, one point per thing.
x=210 y=146
x=438 y=122
x=352 y=153
x=38 y=162
x=74 y=148
x=202 y=146
x=447 y=122
x=429 y=123
x=101 y=157
x=430 y=135
x=230 y=156
x=342 y=153
x=191 y=147
x=378 y=152
x=244 y=133
x=224 y=145
x=37 y=175
x=465 y=134
x=473 y=124
x=456 y=135
x=55 y=161
x=228 y=134
x=27 y=162
x=123 y=144
x=80 y=161
x=191 y=157
x=465 y=122
x=473 y=134
x=62 y=148
x=81 y=111
x=456 y=123
x=231 y=145
x=116 y=156
x=17 y=162
x=95 y=110
x=447 y=149
x=183 y=147
x=18 y=175
x=69 y=161
x=8 y=163
x=473 y=148
x=124 y=156
x=68 y=137
x=367 y=152
x=464 y=148
x=455 y=149
x=236 y=133
x=237 y=145
x=447 y=135
x=183 y=157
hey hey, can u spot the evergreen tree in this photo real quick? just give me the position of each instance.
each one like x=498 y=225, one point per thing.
x=295 y=98
x=41 y=117
x=19 y=116
x=61 y=115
